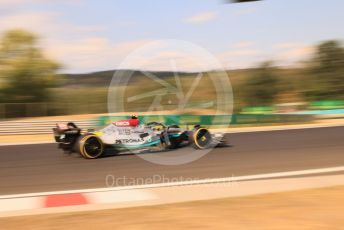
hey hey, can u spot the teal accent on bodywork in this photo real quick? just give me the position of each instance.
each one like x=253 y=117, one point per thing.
x=174 y=135
x=137 y=146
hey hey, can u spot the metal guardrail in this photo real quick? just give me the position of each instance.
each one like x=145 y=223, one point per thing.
x=38 y=127
x=16 y=127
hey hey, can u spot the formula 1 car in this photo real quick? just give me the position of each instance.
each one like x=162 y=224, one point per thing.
x=130 y=135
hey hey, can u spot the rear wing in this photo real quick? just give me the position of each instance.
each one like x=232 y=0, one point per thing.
x=63 y=131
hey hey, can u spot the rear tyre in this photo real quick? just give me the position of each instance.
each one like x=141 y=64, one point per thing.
x=91 y=147
x=201 y=139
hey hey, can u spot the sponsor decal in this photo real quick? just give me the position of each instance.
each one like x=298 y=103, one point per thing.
x=122 y=123
x=137 y=132
x=98 y=134
x=125 y=132
x=128 y=141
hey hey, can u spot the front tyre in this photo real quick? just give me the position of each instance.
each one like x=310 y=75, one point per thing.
x=91 y=147
x=201 y=139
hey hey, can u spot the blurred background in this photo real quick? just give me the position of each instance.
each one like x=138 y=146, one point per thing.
x=58 y=57
x=285 y=64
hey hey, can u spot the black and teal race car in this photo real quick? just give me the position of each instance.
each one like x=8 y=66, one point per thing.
x=131 y=135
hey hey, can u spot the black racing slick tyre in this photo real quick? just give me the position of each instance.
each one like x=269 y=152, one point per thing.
x=91 y=147
x=201 y=138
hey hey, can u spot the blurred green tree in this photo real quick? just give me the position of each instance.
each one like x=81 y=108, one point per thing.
x=25 y=73
x=262 y=87
x=326 y=81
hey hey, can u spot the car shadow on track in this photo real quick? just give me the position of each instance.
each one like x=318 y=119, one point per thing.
x=118 y=153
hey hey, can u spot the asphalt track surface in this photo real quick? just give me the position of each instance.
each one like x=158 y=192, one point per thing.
x=42 y=167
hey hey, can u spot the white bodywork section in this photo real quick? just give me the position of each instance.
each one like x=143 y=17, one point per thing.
x=127 y=135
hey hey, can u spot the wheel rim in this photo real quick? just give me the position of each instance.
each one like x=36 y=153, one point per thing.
x=93 y=148
x=202 y=138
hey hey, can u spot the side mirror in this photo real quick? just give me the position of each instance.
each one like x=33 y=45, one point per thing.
x=143 y=135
